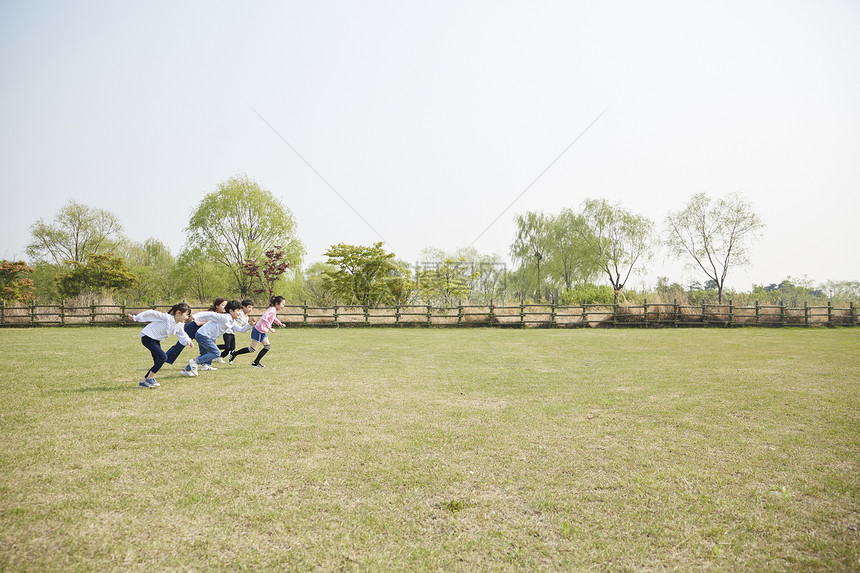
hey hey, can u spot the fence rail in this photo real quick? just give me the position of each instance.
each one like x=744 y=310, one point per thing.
x=523 y=315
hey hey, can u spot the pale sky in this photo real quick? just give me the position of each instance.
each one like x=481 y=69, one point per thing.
x=429 y=118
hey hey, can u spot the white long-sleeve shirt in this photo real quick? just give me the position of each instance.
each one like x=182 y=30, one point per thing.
x=239 y=321
x=161 y=325
x=218 y=323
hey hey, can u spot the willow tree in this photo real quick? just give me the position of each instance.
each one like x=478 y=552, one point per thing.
x=238 y=223
x=713 y=236
x=618 y=240
x=76 y=231
x=532 y=244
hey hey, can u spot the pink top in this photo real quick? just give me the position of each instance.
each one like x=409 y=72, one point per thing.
x=264 y=323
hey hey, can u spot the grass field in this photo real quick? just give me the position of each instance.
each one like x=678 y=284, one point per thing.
x=435 y=449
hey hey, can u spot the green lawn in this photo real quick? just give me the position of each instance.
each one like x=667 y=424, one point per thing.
x=435 y=449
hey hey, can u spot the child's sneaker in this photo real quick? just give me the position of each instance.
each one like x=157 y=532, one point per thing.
x=152 y=382
x=193 y=366
x=207 y=367
x=218 y=359
x=230 y=358
x=257 y=365
x=144 y=383
x=186 y=372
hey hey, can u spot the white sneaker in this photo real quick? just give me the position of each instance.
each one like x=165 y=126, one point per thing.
x=207 y=367
x=219 y=359
x=193 y=365
x=188 y=373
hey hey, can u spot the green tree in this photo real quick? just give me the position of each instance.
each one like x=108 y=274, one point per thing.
x=570 y=259
x=713 y=236
x=532 y=244
x=77 y=231
x=103 y=272
x=156 y=271
x=446 y=281
x=239 y=222
x=365 y=275
x=200 y=278
x=617 y=239
x=15 y=281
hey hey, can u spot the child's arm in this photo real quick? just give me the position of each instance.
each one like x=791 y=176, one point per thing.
x=148 y=316
x=182 y=335
x=243 y=327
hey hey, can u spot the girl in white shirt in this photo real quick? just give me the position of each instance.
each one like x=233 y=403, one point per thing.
x=161 y=325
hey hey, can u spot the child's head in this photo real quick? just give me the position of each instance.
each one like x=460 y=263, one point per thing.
x=180 y=312
x=218 y=304
x=277 y=302
x=233 y=308
x=247 y=305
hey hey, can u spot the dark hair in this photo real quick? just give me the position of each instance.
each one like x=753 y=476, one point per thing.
x=216 y=302
x=247 y=302
x=275 y=300
x=180 y=307
x=233 y=305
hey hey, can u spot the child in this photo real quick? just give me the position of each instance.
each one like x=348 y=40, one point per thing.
x=161 y=325
x=191 y=330
x=258 y=334
x=229 y=337
x=216 y=325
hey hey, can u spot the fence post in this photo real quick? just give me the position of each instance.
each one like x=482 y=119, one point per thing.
x=92 y=312
x=429 y=314
x=615 y=313
x=492 y=312
x=645 y=311
x=829 y=314
x=704 y=314
x=366 y=315
x=552 y=321
x=335 y=312
x=584 y=316
x=62 y=313
x=305 y=313
x=805 y=313
x=675 y=310
x=460 y=313
x=781 y=313
x=852 y=319
x=3 y=313
x=522 y=313
x=756 y=313
x=731 y=312
x=397 y=313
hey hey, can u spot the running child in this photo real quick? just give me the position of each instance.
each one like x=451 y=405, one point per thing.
x=161 y=325
x=216 y=325
x=229 y=337
x=191 y=329
x=258 y=334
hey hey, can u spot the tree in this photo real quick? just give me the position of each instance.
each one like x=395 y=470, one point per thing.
x=239 y=222
x=77 y=231
x=269 y=273
x=713 y=236
x=364 y=275
x=447 y=280
x=570 y=260
x=532 y=243
x=156 y=270
x=103 y=272
x=617 y=239
x=15 y=282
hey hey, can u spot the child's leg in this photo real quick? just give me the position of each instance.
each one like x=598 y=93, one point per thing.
x=208 y=350
x=158 y=355
x=266 y=347
x=173 y=353
x=256 y=337
x=229 y=344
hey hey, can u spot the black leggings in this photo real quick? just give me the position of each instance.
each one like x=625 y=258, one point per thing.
x=229 y=343
x=158 y=355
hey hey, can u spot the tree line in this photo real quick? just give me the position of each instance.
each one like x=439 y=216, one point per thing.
x=242 y=241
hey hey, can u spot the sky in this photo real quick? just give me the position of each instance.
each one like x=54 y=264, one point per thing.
x=419 y=123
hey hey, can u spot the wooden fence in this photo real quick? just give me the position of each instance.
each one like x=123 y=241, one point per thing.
x=549 y=315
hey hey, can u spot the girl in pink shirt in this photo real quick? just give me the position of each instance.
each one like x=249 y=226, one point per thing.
x=259 y=333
